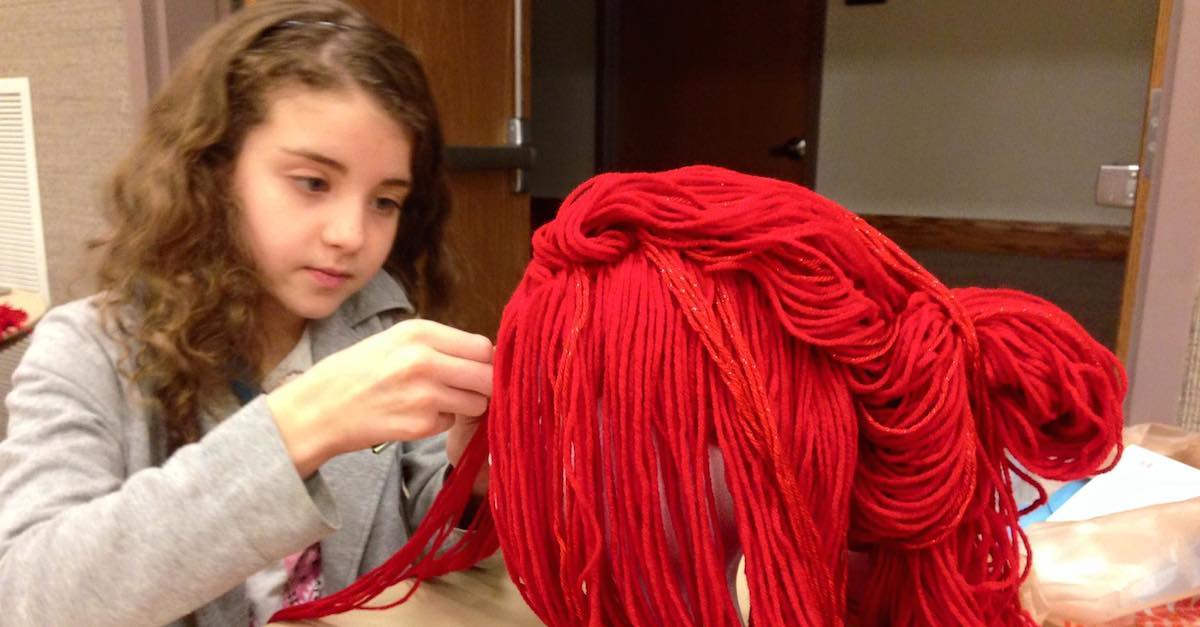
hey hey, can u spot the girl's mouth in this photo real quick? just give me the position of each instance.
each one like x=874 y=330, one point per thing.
x=327 y=277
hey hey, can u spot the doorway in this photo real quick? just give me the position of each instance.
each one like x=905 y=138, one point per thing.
x=972 y=134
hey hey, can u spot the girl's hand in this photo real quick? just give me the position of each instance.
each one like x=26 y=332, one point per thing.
x=406 y=383
x=456 y=443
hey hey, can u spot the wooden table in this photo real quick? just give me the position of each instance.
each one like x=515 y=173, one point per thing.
x=482 y=595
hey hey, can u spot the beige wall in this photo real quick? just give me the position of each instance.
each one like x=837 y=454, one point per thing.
x=74 y=53
x=982 y=109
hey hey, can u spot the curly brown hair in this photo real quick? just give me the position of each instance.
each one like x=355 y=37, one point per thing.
x=180 y=292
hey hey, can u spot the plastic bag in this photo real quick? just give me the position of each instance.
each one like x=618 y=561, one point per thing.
x=1139 y=567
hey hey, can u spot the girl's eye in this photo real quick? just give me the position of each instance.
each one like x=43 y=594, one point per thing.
x=388 y=205
x=311 y=184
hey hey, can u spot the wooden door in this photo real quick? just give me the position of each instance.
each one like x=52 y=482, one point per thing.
x=1150 y=128
x=466 y=47
x=707 y=81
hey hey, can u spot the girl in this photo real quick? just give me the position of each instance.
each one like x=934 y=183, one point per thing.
x=189 y=444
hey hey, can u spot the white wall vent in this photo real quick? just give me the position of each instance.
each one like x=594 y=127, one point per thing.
x=22 y=245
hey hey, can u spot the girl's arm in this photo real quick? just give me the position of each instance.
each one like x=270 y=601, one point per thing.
x=82 y=541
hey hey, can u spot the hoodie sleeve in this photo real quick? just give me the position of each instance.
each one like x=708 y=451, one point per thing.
x=82 y=541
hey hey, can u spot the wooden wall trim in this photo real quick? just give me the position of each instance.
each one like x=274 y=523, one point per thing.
x=1039 y=239
x=1129 y=294
x=1042 y=239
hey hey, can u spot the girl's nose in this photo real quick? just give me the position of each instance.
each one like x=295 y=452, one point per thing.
x=345 y=228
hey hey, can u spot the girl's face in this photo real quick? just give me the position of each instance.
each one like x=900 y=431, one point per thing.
x=320 y=184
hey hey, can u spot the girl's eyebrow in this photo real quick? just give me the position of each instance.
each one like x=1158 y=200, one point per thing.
x=339 y=166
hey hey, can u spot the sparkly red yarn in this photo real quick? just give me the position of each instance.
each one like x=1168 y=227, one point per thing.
x=855 y=401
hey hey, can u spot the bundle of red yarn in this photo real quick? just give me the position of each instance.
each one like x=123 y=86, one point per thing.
x=701 y=365
x=11 y=319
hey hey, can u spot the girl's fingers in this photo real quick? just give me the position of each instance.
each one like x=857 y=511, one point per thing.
x=409 y=428
x=444 y=339
x=419 y=364
x=463 y=374
x=462 y=402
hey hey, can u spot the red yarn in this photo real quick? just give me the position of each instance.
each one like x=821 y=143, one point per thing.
x=11 y=318
x=855 y=402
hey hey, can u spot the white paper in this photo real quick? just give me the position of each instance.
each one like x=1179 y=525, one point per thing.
x=1142 y=478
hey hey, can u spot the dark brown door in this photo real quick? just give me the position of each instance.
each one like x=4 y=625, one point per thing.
x=735 y=84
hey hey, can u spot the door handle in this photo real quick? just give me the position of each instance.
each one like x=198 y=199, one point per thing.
x=516 y=153
x=490 y=157
x=794 y=148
